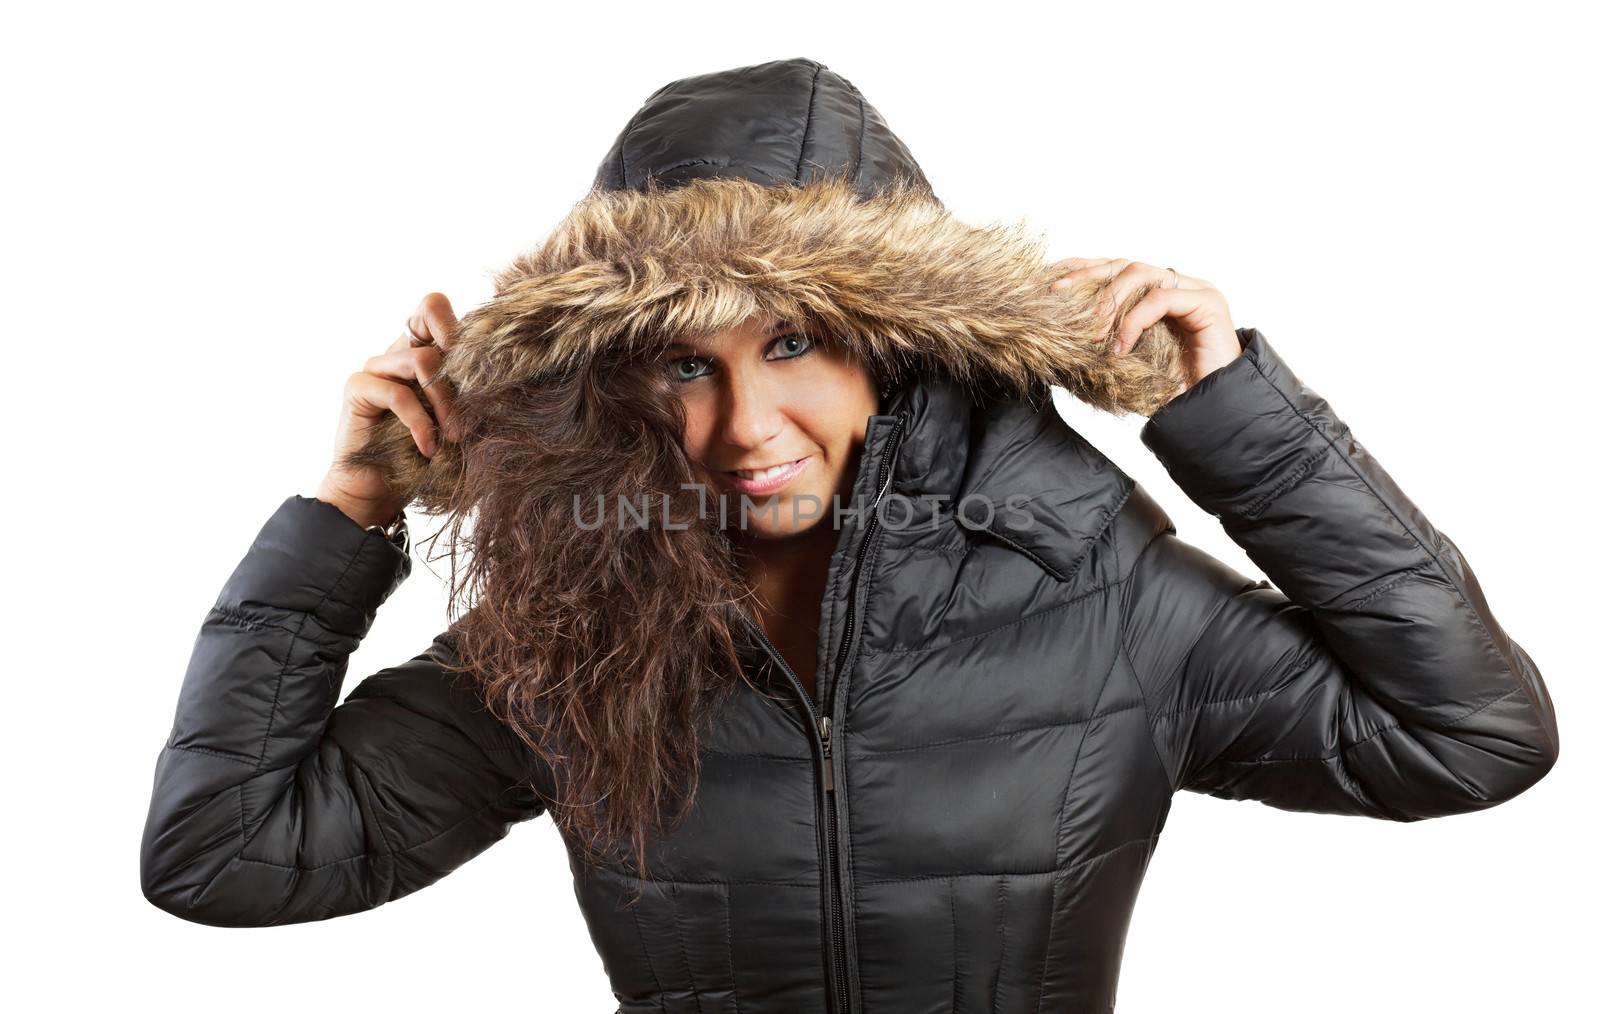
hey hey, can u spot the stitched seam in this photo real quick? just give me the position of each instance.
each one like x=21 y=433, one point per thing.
x=657 y=881
x=1296 y=474
x=238 y=790
x=1409 y=574
x=1486 y=704
x=727 y=937
x=1316 y=757
x=1362 y=795
x=1061 y=816
x=1008 y=734
x=1111 y=515
x=689 y=162
x=955 y=948
x=332 y=862
x=759 y=756
x=390 y=852
x=1373 y=735
x=1054 y=871
x=288 y=656
x=622 y=148
x=1107 y=853
x=433 y=721
x=1127 y=655
x=683 y=949
x=1041 y=431
x=1084 y=548
x=805 y=135
x=393 y=746
x=644 y=951
x=214 y=753
x=1277 y=688
x=861 y=132
x=960 y=550
x=1030 y=554
x=235 y=618
x=1030 y=618
x=912 y=878
x=1472 y=609
x=999 y=972
x=813 y=885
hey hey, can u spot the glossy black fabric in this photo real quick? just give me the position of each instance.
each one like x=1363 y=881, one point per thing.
x=1021 y=694
x=784 y=121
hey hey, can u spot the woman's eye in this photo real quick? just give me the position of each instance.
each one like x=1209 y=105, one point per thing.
x=789 y=346
x=684 y=369
x=793 y=346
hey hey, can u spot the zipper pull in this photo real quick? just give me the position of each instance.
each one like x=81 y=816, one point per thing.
x=825 y=727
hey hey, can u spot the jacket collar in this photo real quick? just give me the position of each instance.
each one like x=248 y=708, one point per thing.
x=1008 y=467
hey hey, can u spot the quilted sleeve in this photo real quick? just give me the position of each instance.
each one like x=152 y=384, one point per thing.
x=1376 y=682
x=272 y=805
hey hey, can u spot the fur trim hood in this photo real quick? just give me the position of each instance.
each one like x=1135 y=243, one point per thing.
x=766 y=190
x=777 y=189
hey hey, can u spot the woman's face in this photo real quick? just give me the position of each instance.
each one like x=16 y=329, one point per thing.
x=762 y=395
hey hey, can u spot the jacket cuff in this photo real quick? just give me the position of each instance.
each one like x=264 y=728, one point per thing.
x=310 y=557
x=1244 y=431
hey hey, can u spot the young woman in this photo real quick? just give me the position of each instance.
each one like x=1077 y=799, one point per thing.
x=855 y=679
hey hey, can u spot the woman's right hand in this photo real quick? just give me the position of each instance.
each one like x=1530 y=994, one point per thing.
x=382 y=387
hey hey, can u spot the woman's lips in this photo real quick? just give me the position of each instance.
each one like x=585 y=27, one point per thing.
x=772 y=483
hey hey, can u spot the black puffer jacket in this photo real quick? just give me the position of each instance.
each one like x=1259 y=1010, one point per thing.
x=1007 y=702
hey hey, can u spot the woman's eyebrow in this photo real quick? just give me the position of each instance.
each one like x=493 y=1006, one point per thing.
x=778 y=329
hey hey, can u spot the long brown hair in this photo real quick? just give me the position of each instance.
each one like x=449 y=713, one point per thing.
x=607 y=649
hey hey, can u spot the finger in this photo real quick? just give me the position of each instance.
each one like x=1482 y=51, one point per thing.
x=434 y=321
x=406 y=340
x=425 y=366
x=1157 y=305
x=1090 y=268
x=1171 y=275
x=1133 y=276
x=370 y=395
x=1071 y=264
x=1081 y=273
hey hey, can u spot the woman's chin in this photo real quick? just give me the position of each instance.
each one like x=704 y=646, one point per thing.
x=780 y=517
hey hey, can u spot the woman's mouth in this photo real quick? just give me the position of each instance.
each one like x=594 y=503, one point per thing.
x=766 y=480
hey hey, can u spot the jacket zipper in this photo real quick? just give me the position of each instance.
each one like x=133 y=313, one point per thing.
x=885 y=465
x=824 y=728
x=842 y=989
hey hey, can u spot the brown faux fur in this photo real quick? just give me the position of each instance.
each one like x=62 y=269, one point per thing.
x=898 y=278
x=605 y=650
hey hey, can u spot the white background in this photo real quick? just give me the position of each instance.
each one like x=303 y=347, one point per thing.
x=213 y=214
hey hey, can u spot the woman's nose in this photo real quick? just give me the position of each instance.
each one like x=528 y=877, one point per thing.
x=751 y=413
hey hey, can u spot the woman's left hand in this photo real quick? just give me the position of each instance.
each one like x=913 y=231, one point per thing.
x=1193 y=308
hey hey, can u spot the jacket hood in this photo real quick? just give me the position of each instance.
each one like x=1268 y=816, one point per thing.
x=773 y=189
x=778 y=189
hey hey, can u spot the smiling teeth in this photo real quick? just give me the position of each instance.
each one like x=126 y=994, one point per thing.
x=765 y=473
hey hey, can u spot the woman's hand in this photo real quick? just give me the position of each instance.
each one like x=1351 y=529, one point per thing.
x=1193 y=308
x=382 y=387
